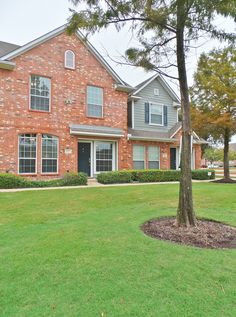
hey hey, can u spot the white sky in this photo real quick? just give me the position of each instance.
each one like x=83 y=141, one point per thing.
x=24 y=20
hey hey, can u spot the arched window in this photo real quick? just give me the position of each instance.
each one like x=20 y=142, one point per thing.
x=69 y=59
x=49 y=154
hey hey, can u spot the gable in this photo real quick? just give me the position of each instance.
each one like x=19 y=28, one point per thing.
x=121 y=85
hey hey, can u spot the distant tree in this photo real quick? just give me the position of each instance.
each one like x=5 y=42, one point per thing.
x=212 y=154
x=214 y=97
x=163 y=28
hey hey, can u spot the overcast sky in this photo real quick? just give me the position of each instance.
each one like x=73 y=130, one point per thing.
x=24 y=20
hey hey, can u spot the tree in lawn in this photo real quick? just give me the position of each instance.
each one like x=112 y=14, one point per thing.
x=214 y=94
x=164 y=29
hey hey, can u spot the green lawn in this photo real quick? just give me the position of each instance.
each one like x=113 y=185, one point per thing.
x=80 y=252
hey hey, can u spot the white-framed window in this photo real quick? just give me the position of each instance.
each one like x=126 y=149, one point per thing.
x=94 y=101
x=27 y=155
x=49 y=154
x=156 y=114
x=69 y=59
x=153 y=157
x=104 y=156
x=138 y=157
x=40 y=90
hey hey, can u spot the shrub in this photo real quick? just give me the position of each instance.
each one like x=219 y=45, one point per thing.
x=203 y=174
x=8 y=181
x=74 y=179
x=13 y=181
x=144 y=176
x=116 y=177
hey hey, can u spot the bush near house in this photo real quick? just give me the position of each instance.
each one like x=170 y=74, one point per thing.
x=116 y=177
x=146 y=176
x=8 y=181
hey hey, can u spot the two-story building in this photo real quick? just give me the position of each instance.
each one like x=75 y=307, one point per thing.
x=63 y=109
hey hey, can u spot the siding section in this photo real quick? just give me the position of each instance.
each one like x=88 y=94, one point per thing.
x=147 y=95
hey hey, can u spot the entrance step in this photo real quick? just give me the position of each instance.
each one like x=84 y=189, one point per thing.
x=93 y=182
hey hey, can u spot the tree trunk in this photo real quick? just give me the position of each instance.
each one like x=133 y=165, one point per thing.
x=185 y=212
x=226 y=154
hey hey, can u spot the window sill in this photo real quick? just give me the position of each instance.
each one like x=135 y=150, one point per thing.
x=156 y=124
x=91 y=117
x=41 y=111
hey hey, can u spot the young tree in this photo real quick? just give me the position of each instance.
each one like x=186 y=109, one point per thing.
x=164 y=28
x=214 y=94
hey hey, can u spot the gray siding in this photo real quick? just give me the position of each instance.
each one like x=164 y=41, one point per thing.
x=147 y=95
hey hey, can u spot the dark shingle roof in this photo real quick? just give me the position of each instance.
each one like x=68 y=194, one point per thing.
x=6 y=48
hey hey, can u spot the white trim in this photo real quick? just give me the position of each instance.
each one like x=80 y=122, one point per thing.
x=102 y=105
x=132 y=114
x=65 y=59
x=49 y=173
x=36 y=158
x=144 y=161
x=141 y=138
x=159 y=155
x=194 y=133
x=50 y=96
x=150 y=114
x=96 y=134
x=177 y=159
x=179 y=128
x=114 y=163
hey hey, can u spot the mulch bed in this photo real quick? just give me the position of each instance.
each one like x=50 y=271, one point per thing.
x=207 y=234
x=225 y=181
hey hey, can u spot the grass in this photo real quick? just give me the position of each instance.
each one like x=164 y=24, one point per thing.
x=80 y=252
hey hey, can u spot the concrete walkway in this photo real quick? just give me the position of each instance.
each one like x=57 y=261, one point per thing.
x=92 y=183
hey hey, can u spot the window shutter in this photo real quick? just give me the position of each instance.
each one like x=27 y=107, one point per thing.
x=146 y=112
x=165 y=115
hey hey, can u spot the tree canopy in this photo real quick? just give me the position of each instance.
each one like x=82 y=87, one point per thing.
x=214 y=97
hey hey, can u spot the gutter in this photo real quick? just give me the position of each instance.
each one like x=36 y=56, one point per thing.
x=124 y=88
x=96 y=134
x=141 y=138
x=7 y=65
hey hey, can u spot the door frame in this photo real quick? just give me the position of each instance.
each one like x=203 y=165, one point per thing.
x=91 y=155
x=177 y=158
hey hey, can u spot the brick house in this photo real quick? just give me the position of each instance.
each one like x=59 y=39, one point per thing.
x=63 y=108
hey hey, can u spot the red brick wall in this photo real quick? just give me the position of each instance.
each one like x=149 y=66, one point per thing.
x=47 y=60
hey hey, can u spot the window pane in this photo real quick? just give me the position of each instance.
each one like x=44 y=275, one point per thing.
x=156 y=114
x=49 y=166
x=138 y=153
x=27 y=153
x=153 y=157
x=94 y=111
x=104 y=156
x=156 y=119
x=138 y=165
x=153 y=153
x=153 y=165
x=40 y=93
x=49 y=153
x=94 y=101
x=69 y=59
x=27 y=166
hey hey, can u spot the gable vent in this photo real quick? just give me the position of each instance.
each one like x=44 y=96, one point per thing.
x=156 y=92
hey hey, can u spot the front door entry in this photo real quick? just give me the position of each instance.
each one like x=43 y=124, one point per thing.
x=84 y=158
x=173 y=158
